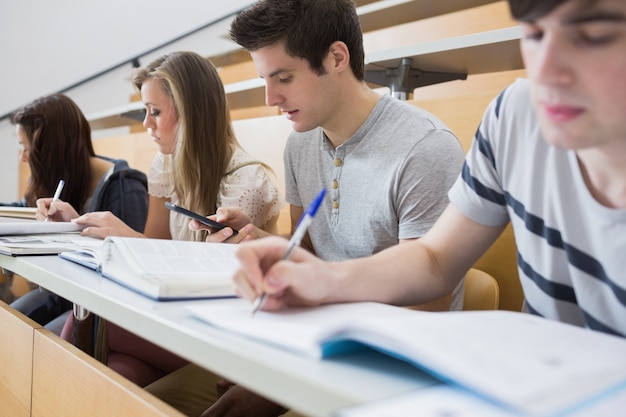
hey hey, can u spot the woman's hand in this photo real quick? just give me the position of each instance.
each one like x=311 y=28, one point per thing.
x=57 y=211
x=104 y=223
x=233 y=218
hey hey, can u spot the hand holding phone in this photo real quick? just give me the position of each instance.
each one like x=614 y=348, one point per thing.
x=204 y=220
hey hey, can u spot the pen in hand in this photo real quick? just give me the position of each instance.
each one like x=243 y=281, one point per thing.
x=301 y=228
x=57 y=194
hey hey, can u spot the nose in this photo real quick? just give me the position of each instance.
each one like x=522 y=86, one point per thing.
x=23 y=155
x=272 y=95
x=547 y=61
x=148 y=121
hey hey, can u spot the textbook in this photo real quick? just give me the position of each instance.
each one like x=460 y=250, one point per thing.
x=18 y=212
x=29 y=227
x=164 y=269
x=518 y=362
x=43 y=244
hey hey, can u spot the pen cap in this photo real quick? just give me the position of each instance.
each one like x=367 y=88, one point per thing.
x=315 y=205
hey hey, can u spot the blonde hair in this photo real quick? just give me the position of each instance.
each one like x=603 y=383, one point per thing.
x=205 y=139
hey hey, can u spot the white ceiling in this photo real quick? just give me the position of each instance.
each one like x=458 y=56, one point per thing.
x=47 y=46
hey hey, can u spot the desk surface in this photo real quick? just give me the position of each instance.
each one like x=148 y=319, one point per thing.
x=310 y=387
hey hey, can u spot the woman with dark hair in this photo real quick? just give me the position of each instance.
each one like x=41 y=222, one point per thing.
x=55 y=141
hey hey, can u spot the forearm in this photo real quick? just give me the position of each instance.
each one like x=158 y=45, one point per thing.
x=414 y=272
x=403 y=275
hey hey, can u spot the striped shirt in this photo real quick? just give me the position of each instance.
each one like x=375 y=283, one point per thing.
x=571 y=250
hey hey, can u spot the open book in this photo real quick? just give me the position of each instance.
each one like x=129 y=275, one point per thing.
x=164 y=269
x=44 y=244
x=516 y=361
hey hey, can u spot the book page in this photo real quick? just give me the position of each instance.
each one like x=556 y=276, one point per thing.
x=450 y=401
x=302 y=330
x=438 y=401
x=530 y=363
x=170 y=270
x=161 y=258
x=48 y=243
x=527 y=362
x=87 y=254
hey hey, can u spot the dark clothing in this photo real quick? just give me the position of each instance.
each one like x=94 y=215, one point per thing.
x=124 y=193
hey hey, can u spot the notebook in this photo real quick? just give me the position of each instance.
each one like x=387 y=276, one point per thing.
x=10 y=227
x=517 y=362
x=18 y=212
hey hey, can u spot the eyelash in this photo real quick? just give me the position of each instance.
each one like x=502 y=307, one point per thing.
x=579 y=37
x=595 y=40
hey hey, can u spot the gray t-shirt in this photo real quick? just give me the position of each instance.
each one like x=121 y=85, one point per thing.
x=388 y=182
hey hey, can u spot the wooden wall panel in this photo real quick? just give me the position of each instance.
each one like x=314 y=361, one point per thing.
x=254 y=112
x=86 y=388
x=137 y=149
x=16 y=351
x=478 y=19
x=237 y=72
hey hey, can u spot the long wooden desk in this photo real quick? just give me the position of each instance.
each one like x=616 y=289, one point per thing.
x=310 y=387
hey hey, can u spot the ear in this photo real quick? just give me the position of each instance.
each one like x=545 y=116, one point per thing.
x=339 y=56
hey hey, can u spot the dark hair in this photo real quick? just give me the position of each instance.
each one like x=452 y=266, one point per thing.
x=529 y=10
x=308 y=28
x=60 y=148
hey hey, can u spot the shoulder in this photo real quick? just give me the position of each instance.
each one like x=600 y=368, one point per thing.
x=243 y=164
x=512 y=103
x=126 y=178
x=509 y=116
x=409 y=120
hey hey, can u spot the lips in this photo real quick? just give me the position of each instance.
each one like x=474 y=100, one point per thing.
x=289 y=113
x=560 y=113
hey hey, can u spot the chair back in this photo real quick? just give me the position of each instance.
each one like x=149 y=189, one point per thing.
x=481 y=291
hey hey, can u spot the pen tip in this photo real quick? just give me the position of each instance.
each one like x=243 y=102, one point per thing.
x=258 y=303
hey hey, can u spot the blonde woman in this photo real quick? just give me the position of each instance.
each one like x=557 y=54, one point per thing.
x=200 y=166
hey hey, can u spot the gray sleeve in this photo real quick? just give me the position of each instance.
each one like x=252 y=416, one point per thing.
x=290 y=159
x=428 y=173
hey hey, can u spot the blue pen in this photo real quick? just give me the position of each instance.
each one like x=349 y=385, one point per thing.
x=301 y=228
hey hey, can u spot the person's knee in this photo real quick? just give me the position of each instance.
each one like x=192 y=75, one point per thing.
x=191 y=389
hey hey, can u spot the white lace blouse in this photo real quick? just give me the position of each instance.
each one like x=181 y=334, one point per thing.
x=249 y=187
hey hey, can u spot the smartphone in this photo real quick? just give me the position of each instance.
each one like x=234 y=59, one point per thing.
x=211 y=223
